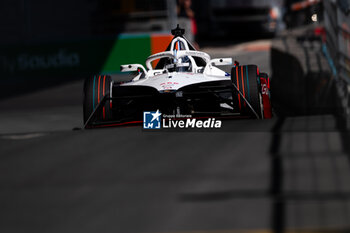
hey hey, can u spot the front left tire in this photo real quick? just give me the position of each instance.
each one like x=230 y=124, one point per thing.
x=95 y=88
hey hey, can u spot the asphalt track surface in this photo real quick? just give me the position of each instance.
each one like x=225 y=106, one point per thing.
x=287 y=174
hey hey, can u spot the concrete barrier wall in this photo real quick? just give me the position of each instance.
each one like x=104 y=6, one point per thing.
x=302 y=81
x=41 y=64
x=337 y=26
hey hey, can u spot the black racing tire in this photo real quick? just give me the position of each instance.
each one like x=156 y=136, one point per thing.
x=95 y=88
x=246 y=78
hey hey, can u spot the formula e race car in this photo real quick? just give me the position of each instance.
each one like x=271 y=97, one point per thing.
x=184 y=81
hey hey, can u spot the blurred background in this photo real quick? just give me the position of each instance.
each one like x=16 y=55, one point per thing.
x=65 y=38
x=287 y=174
x=48 y=20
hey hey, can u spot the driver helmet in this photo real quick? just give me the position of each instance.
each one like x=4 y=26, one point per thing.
x=184 y=64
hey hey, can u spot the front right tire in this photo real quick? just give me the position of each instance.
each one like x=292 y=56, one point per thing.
x=246 y=78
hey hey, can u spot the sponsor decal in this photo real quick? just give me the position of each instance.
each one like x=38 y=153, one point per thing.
x=24 y=61
x=156 y=120
x=264 y=89
x=168 y=85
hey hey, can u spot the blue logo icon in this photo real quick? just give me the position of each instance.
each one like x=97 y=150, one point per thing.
x=151 y=120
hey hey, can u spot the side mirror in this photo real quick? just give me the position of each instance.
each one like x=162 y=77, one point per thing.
x=132 y=67
x=221 y=61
